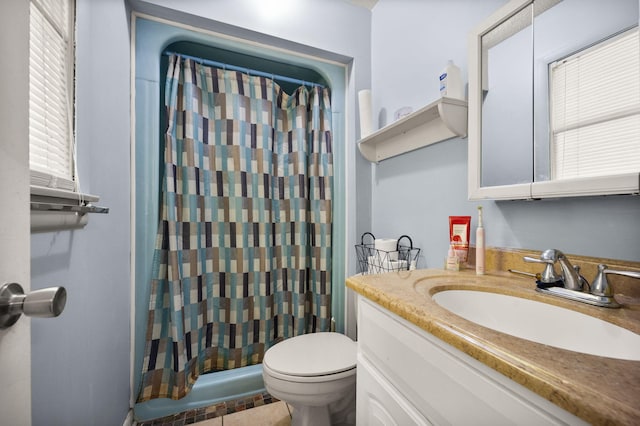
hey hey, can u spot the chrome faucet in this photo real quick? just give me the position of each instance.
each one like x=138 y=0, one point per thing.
x=570 y=277
x=571 y=285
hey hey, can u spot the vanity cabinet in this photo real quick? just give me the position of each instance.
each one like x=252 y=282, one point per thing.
x=408 y=376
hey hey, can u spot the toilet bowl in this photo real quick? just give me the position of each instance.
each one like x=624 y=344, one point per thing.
x=316 y=375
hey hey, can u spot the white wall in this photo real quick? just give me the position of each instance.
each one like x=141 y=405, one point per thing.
x=416 y=192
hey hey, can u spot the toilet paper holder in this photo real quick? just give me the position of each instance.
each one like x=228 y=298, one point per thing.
x=44 y=303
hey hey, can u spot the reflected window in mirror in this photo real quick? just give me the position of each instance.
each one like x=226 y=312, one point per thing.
x=595 y=109
x=507 y=101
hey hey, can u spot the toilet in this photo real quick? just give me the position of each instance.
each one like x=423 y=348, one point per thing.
x=316 y=375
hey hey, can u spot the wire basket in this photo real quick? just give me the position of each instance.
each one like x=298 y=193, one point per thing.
x=376 y=261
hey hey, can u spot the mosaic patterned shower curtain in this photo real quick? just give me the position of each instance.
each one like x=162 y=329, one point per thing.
x=243 y=254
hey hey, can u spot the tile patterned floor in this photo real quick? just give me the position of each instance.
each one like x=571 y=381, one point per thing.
x=276 y=414
x=260 y=410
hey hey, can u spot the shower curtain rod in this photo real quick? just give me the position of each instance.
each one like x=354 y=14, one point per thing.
x=246 y=70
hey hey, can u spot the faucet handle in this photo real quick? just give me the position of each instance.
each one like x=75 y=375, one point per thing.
x=600 y=285
x=549 y=275
x=583 y=281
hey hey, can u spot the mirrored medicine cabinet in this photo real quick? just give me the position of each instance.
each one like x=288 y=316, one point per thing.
x=554 y=100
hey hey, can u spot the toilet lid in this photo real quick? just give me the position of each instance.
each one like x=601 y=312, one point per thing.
x=315 y=354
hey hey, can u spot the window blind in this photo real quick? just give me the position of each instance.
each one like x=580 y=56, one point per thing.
x=595 y=109
x=51 y=145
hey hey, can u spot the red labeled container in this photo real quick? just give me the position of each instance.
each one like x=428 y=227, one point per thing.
x=459 y=231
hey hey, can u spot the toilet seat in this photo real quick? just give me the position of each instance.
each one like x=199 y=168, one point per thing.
x=316 y=375
x=311 y=358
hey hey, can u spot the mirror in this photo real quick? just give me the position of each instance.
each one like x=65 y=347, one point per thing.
x=507 y=101
x=522 y=140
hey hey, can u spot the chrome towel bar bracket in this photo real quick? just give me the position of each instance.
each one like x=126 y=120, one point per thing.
x=82 y=209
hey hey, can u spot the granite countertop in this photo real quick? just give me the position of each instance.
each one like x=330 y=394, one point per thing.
x=597 y=389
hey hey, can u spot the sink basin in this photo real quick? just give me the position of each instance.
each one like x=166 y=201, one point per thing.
x=542 y=323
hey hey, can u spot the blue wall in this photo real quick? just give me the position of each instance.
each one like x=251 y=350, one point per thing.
x=415 y=193
x=80 y=360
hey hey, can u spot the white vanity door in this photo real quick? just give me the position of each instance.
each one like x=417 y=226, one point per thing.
x=379 y=403
x=441 y=383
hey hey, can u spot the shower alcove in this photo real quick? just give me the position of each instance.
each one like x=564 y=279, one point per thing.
x=153 y=37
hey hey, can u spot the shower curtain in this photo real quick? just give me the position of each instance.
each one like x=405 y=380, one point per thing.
x=243 y=252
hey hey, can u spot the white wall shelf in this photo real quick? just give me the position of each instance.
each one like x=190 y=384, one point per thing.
x=440 y=120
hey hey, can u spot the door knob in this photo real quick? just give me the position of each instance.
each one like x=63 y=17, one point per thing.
x=45 y=303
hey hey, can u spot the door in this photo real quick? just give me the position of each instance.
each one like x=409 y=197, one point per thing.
x=15 y=342
x=379 y=403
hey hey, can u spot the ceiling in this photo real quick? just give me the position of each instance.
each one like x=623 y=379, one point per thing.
x=364 y=3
